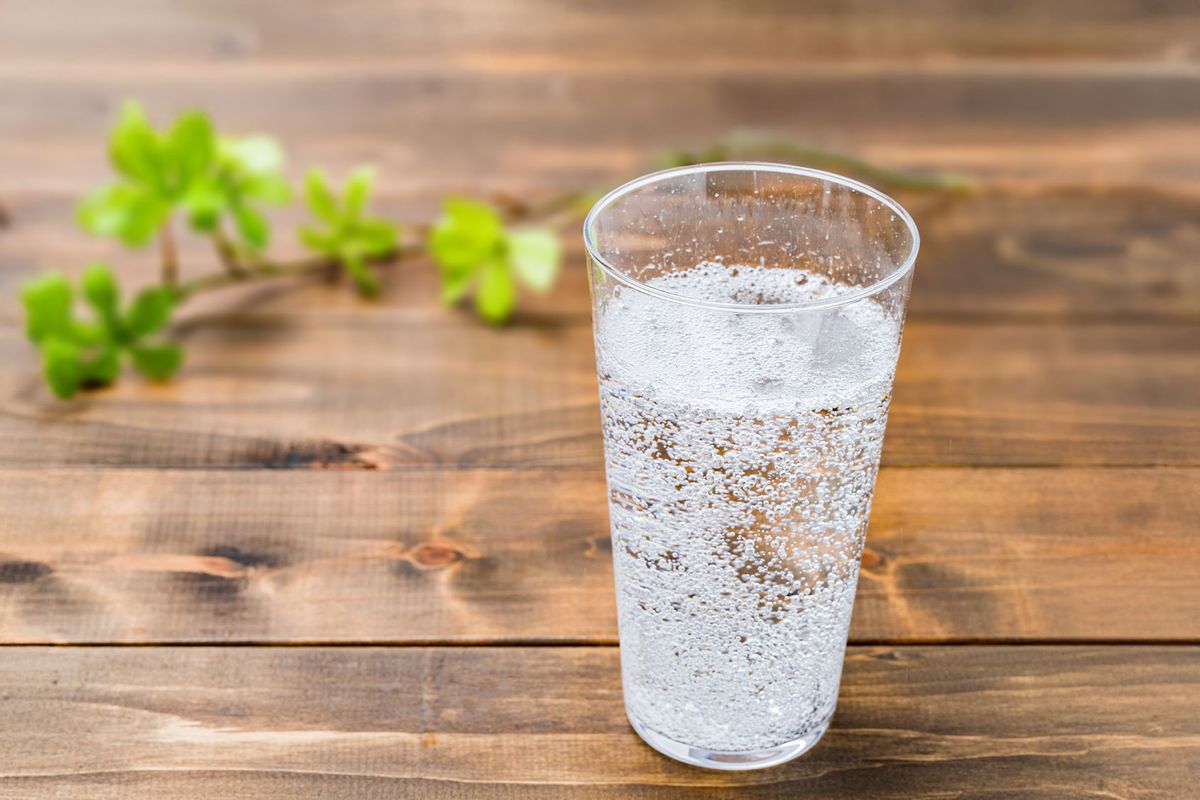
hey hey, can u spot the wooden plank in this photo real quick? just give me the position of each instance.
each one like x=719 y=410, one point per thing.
x=1152 y=157
x=376 y=99
x=1068 y=252
x=477 y=91
x=1032 y=122
x=531 y=32
x=1030 y=722
x=397 y=388
x=524 y=556
x=1045 y=394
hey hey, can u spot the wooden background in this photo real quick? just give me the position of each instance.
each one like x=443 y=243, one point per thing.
x=361 y=550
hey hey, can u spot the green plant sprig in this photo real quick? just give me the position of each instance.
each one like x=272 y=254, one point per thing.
x=345 y=234
x=219 y=187
x=79 y=353
x=474 y=250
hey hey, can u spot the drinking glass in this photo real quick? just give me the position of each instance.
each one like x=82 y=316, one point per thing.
x=747 y=321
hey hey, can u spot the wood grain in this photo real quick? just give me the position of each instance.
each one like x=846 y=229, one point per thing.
x=524 y=556
x=438 y=128
x=397 y=388
x=536 y=92
x=597 y=34
x=1029 y=722
x=1064 y=253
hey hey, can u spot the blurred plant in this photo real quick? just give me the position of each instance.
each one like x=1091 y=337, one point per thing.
x=472 y=249
x=187 y=169
x=217 y=184
x=85 y=353
x=348 y=236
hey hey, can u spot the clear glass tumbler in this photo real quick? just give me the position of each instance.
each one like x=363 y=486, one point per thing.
x=747 y=321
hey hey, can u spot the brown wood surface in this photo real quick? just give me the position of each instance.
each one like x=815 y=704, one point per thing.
x=593 y=34
x=982 y=722
x=329 y=474
x=1032 y=127
x=523 y=556
x=1016 y=253
x=401 y=388
x=533 y=92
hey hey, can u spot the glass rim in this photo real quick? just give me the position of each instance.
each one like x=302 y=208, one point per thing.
x=897 y=274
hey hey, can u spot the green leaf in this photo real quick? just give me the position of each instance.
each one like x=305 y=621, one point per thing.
x=318 y=241
x=150 y=311
x=534 y=255
x=374 y=237
x=254 y=154
x=103 y=210
x=103 y=369
x=468 y=234
x=365 y=280
x=100 y=290
x=497 y=295
x=92 y=334
x=346 y=236
x=454 y=287
x=190 y=149
x=144 y=220
x=252 y=226
x=61 y=367
x=204 y=203
x=48 y=301
x=135 y=148
x=130 y=212
x=320 y=197
x=157 y=361
x=358 y=189
x=268 y=188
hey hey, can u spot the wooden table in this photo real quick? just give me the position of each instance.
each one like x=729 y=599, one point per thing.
x=361 y=550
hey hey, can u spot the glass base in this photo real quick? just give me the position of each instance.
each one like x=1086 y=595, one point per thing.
x=713 y=759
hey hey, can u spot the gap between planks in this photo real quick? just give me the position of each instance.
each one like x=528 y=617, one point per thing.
x=534 y=469
x=551 y=644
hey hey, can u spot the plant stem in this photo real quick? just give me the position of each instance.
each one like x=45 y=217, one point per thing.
x=242 y=266
x=227 y=252
x=170 y=257
x=556 y=210
x=266 y=268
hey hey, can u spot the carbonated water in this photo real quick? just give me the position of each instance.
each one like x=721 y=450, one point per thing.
x=742 y=450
